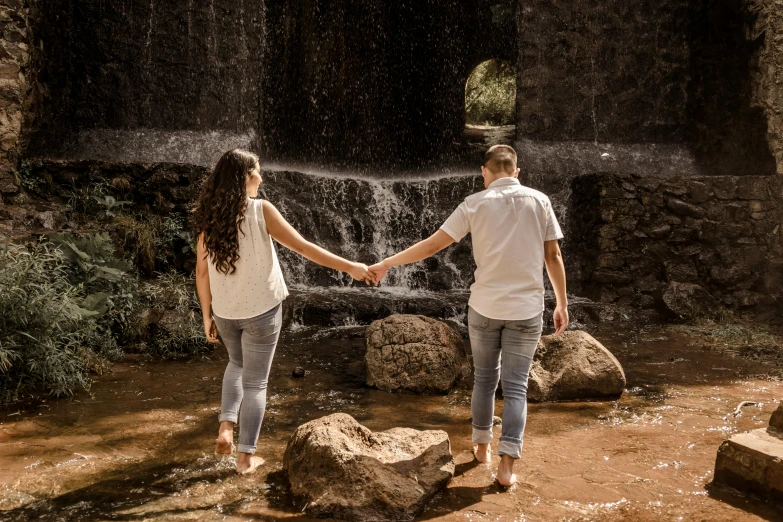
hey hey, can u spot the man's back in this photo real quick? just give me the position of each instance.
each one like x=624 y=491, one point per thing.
x=509 y=224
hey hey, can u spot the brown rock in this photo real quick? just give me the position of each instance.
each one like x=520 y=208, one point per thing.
x=574 y=366
x=776 y=421
x=413 y=353
x=753 y=462
x=338 y=468
x=689 y=301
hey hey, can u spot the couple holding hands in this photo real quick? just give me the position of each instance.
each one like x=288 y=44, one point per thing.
x=241 y=289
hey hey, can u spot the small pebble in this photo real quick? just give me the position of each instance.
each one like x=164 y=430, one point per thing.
x=298 y=372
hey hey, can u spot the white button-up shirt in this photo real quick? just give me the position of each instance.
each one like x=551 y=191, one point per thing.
x=509 y=224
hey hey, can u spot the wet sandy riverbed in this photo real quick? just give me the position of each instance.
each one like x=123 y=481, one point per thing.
x=139 y=446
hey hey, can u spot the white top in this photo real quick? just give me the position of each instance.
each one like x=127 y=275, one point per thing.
x=257 y=286
x=509 y=223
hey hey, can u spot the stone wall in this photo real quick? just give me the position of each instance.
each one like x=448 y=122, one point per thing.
x=14 y=61
x=637 y=236
x=603 y=70
x=671 y=71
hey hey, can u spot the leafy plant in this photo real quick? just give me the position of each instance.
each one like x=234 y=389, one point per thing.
x=178 y=329
x=109 y=282
x=48 y=339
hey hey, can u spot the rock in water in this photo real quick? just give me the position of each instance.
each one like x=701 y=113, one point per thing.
x=574 y=366
x=338 y=468
x=688 y=301
x=413 y=353
x=753 y=461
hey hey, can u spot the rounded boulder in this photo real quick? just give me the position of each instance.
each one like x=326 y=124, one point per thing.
x=413 y=353
x=574 y=366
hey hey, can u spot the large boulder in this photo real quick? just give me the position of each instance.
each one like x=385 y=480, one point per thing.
x=413 y=353
x=574 y=366
x=338 y=468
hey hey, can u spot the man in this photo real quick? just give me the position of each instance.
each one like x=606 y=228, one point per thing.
x=514 y=233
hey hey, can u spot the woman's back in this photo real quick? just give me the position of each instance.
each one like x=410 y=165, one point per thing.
x=257 y=285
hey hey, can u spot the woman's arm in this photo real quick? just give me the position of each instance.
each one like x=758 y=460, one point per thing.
x=287 y=236
x=204 y=293
x=421 y=250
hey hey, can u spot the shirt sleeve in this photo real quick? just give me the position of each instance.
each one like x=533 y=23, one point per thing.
x=552 y=226
x=457 y=225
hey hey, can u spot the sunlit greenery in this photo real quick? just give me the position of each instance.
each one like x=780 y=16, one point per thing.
x=490 y=94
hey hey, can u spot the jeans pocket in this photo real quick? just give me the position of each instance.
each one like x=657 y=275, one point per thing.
x=476 y=320
x=262 y=325
x=530 y=326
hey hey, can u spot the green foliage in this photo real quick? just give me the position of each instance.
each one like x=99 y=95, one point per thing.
x=109 y=283
x=94 y=200
x=31 y=181
x=490 y=94
x=178 y=329
x=155 y=243
x=48 y=338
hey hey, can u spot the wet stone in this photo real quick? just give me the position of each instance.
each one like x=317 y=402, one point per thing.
x=339 y=468
x=752 y=462
x=776 y=421
x=574 y=366
x=298 y=372
x=689 y=301
x=413 y=353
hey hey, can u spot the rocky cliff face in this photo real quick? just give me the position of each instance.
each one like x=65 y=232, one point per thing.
x=14 y=89
x=765 y=31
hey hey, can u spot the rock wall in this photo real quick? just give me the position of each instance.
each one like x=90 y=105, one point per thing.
x=602 y=70
x=671 y=71
x=639 y=235
x=14 y=61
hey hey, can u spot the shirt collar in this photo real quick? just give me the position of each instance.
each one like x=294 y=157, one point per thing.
x=504 y=182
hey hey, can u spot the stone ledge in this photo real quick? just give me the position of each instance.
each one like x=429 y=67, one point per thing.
x=752 y=462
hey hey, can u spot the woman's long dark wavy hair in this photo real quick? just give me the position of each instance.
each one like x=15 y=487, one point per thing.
x=221 y=207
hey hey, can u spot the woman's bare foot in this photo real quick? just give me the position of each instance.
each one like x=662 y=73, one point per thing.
x=224 y=444
x=248 y=463
x=482 y=453
x=506 y=476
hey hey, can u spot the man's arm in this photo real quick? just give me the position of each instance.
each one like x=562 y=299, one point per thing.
x=421 y=250
x=555 y=268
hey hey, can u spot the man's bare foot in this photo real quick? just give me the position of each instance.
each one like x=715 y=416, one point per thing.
x=248 y=463
x=482 y=452
x=506 y=476
x=224 y=444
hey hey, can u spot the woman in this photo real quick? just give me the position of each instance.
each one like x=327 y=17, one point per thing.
x=241 y=289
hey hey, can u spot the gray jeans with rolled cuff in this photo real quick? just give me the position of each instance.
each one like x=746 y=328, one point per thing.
x=515 y=343
x=251 y=347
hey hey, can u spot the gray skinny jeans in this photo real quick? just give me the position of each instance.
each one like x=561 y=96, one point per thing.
x=251 y=347
x=515 y=342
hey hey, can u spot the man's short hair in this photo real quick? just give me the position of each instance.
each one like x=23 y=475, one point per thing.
x=501 y=159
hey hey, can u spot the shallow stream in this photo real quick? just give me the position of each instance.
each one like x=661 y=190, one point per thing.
x=139 y=446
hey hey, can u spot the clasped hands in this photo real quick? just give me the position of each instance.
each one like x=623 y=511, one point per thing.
x=371 y=275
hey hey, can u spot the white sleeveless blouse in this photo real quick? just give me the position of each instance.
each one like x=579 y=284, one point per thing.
x=257 y=286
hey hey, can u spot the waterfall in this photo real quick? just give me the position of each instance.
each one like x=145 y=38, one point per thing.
x=368 y=219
